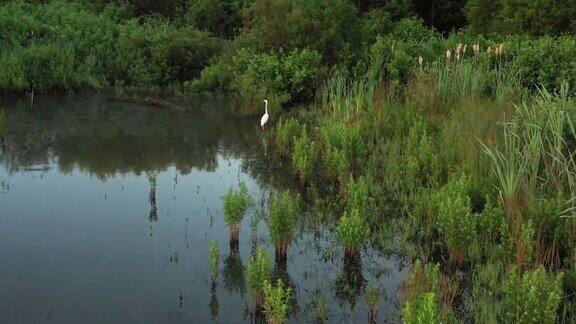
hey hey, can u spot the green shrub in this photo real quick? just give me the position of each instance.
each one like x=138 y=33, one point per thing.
x=421 y=288
x=282 y=77
x=214 y=258
x=456 y=222
x=258 y=274
x=282 y=220
x=235 y=205
x=531 y=297
x=353 y=230
x=304 y=156
x=286 y=132
x=277 y=301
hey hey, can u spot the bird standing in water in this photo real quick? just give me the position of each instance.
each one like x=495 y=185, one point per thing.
x=265 y=117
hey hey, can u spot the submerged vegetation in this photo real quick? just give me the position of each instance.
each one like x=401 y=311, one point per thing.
x=453 y=127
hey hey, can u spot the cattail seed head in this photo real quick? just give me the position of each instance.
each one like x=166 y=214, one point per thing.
x=458 y=49
x=476 y=48
x=464 y=49
x=501 y=49
x=489 y=50
x=497 y=50
x=448 y=55
x=420 y=60
x=458 y=57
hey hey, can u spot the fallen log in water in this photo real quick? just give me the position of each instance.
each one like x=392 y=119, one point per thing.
x=147 y=101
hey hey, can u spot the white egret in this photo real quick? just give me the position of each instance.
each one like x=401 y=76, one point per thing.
x=265 y=117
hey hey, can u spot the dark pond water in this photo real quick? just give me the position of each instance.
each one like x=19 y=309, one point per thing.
x=81 y=240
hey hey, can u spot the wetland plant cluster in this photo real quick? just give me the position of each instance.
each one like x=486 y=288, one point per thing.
x=474 y=170
x=267 y=297
x=432 y=123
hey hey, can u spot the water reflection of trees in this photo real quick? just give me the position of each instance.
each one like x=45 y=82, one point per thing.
x=233 y=273
x=108 y=139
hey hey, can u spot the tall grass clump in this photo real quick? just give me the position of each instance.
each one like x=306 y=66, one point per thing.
x=353 y=231
x=235 y=205
x=276 y=302
x=420 y=291
x=304 y=156
x=372 y=298
x=214 y=259
x=282 y=220
x=287 y=130
x=257 y=274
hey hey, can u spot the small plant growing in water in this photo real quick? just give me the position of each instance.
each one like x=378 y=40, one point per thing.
x=257 y=273
x=214 y=259
x=304 y=156
x=353 y=231
x=276 y=301
x=372 y=297
x=281 y=221
x=235 y=205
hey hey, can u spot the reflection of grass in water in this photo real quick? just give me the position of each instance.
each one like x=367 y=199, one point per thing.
x=214 y=305
x=152 y=180
x=350 y=284
x=233 y=273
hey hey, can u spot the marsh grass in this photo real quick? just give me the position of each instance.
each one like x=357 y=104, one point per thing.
x=353 y=231
x=235 y=204
x=258 y=270
x=276 y=301
x=282 y=220
x=214 y=259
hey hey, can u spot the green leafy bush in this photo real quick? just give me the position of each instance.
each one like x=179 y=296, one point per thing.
x=304 y=156
x=532 y=297
x=353 y=231
x=214 y=258
x=277 y=301
x=235 y=205
x=283 y=77
x=282 y=220
x=286 y=132
x=258 y=274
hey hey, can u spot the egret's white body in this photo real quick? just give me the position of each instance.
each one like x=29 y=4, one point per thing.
x=265 y=117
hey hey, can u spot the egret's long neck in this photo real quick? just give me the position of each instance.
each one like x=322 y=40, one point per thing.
x=266 y=106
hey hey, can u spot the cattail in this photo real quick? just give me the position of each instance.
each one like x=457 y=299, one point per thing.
x=489 y=50
x=476 y=48
x=448 y=55
x=464 y=49
x=497 y=50
x=501 y=49
x=420 y=60
x=458 y=49
x=458 y=57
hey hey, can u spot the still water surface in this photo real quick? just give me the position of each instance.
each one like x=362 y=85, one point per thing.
x=87 y=236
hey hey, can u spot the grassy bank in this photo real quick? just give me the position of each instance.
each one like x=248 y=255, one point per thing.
x=467 y=163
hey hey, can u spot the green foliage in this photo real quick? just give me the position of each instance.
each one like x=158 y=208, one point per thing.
x=304 y=155
x=422 y=285
x=537 y=17
x=456 y=222
x=532 y=297
x=283 y=216
x=235 y=205
x=221 y=18
x=317 y=25
x=214 y=258
x=258 y=273
x=67 y=45
x=422 y=310
x=277 y=301
x=285 y=77
x=353 y=230
x=286 y=132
